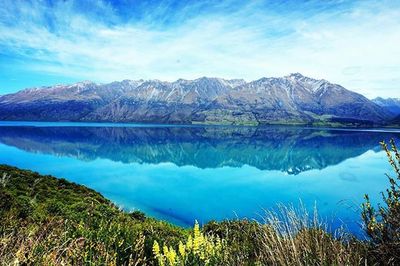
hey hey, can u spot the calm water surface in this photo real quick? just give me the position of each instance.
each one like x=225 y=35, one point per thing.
x=183 y=173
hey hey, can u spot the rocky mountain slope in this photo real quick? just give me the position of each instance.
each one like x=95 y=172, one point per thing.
x=391 y=104
x=290 y=99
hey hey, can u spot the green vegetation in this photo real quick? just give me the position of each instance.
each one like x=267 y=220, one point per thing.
x=50 y=221
x=383 y=226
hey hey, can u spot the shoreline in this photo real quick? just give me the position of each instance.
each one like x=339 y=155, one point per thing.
x=395 y=129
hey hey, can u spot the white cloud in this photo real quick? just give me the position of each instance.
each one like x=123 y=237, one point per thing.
x=355 y=47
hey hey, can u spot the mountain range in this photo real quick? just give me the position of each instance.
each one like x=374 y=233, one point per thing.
x=293 y=99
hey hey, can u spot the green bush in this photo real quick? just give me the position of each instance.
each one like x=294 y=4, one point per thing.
x=137 y=215
x=242 y=236
x=383 y=225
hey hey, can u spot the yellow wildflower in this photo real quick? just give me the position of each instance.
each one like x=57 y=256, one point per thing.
x=189 y=243
x=156 y=249
x=165 y=250
x=157 y=254
x=171 y=256
x=182 y=250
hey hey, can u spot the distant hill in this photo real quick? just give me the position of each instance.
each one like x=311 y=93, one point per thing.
x=391 y=104
x=285 y=100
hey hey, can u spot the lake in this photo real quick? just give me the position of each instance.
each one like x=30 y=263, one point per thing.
x=186 y=173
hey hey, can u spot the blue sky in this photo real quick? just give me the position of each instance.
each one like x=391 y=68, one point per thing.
x=353 y=43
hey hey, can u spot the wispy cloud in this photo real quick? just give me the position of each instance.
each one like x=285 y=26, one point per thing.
x=354 y=43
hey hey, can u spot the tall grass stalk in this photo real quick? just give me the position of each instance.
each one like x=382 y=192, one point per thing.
x=293 y=236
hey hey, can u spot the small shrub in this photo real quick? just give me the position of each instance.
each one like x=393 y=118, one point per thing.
x=242 y=238
x=25 y=208
x=137 y=215
x=55 y=208
x=383 y=225
x=6 y=201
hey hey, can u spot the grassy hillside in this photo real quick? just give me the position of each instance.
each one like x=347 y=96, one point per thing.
x=45 y=220
x=50 y=221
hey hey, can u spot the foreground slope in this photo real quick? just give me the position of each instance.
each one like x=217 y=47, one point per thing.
x=49 y=221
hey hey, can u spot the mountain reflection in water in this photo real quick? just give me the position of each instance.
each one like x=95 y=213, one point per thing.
x=291 y=150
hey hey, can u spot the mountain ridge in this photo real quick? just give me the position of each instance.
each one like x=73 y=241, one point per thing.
x=392 y=104
x=284 y=100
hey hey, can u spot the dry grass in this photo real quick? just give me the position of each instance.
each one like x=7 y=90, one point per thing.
x=294 y=237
